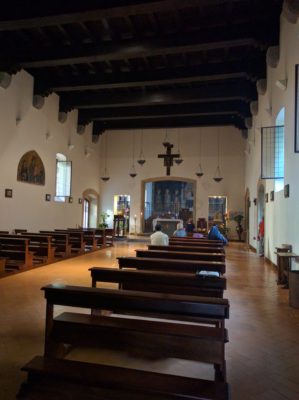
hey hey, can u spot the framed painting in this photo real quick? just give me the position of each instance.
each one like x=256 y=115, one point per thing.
x=272 y=195
x=48 y=197
x=287 y=190
x=266 y=197
x=8 y=193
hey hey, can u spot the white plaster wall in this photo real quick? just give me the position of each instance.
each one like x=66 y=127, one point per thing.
x=282 y=215
x=119 y=161
x=24 y=128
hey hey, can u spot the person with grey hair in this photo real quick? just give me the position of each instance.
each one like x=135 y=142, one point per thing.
x=180 y=230
x=159 y=238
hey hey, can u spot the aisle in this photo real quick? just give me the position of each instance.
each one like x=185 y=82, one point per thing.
x=262 y=355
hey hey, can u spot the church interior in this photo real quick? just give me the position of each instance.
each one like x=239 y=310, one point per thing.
x=115 y=117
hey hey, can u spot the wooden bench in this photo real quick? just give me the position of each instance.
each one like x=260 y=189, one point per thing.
x=61 y=243
x=16 y=251
x=89 y=237
x=160 y=337
x=164 y=264
x=198 y=249
x=181 y=255
x=160 y=281
x=50 y=379
x=76 y=239
x=41 y=245
x=197 y=240
x=193 y=242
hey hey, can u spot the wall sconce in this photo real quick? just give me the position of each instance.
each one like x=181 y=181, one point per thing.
x=282 y=84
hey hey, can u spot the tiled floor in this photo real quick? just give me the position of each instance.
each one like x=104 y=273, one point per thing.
x=262 y=355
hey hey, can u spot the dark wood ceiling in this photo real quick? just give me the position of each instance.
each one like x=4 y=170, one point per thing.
x=140 y=64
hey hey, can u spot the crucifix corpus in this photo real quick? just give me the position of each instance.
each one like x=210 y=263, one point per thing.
x=168 y=157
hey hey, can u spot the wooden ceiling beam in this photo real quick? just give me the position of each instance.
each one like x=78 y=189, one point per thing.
x=195 y=109
x=208 y=93
x=171 y=45
x=172 y=122
x=95 y=14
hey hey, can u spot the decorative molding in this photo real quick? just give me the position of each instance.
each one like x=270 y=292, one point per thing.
x=290 y=10
x=261 y=86
x=5 y=80
x=248 y=123
x=254 y=107
x=62 y=117
x=38 y=101
x=80 y=129
x=272 y=56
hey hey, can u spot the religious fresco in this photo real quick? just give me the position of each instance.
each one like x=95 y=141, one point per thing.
x=31 y=169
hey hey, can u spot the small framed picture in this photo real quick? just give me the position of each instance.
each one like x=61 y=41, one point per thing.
x=266 y=197
x=70 y=199
x=48 y=197
x=80 y=200
x=272 y=195
x=287 y=190
x=8 y=193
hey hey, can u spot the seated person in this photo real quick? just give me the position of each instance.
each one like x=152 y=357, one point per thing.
x=159 y=238
x=180 y=231
x=190 y=227
x=215 y=234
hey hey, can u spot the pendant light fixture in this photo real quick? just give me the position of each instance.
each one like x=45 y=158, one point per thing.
x=141 y=159
x=105 y=177
x=133 y=172
x=199 y=171
x=179 y=160
x=217 y=176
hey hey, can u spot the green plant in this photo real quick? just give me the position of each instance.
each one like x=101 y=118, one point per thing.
x=103 y=224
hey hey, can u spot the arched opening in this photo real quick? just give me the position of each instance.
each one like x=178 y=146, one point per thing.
x=90 y=208
x=167 y=201
x=260 y=218
x=246 y=219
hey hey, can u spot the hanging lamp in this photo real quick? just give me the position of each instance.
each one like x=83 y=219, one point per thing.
x=217 y=175
x=179 y=160
x=141 y=159
x=105 y=177
x=132 y=171
x=199 y=171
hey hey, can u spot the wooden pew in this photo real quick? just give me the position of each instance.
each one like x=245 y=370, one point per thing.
x=159 y=337
x=76 y=239
x=50 y=379
x=61 y=243
x=41 y=245
x=2 y=265
x=164 y=264
x=197 y=240
x=193 y=242
x=181 y=255
x=16 y=251
x=89 y=237
x=4 y=233
x=160 y=281
x=198 y=249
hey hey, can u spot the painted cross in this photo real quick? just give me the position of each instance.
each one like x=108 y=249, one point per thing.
x=168 y=157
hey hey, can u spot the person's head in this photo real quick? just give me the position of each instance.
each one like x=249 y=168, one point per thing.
x=180 y=226
x=190 y=221
x=158 y=227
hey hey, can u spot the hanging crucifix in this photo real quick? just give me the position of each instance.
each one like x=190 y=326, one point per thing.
x=168 y=157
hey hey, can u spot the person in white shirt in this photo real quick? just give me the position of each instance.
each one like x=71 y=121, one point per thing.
x=159 y=238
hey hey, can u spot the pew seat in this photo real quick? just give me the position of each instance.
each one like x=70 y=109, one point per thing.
x=57 y=379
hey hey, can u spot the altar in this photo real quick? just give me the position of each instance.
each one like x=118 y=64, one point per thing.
x=168 y=225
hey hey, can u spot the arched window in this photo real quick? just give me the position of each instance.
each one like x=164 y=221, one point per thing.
x=63 y=177
x=279 y=150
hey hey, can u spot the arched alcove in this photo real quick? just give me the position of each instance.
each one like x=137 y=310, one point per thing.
x=170 y=198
